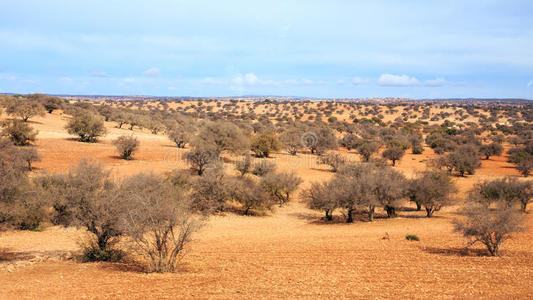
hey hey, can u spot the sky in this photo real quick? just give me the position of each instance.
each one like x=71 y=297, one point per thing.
x=323 y=49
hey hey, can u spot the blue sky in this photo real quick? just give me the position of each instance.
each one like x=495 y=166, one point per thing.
x=417 y=49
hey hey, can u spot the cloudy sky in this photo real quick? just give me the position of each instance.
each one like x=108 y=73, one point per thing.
x=418 y=49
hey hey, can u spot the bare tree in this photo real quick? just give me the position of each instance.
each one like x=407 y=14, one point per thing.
x=222 y=136
x=321 y=196
x=244 y=165
x=280 y=185
x=389 y=187
x=491 y=227
x=201 y=158
x=210 y=192
x=29 y=155
x=464 y=160
x=90 y=197
x=249 y=194
x=291 y=139
x=334 y=160
x=158 y=220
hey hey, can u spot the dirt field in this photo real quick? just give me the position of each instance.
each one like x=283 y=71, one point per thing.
x=288 y=254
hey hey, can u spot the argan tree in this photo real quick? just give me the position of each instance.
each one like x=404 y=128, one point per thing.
x=432 y=189
x=265 y=143
x=20 y=133
x=491 y=227
x=508 y=191
x=89 y=196
x=201 y=158
x=463 y=160
x=249 y=194
x=334 y=160
x=393 y=153
x=158 y=220
x=291 y=139
x=367 y=148
x=280 y=185
x=491 y=149
x=222 y=136
x=24 y=109
x=125 y=146
x=87 y=125
x=321 y=196
x=244 y=166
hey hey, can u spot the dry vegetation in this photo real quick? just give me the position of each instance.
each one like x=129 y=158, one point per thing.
x=276 y=199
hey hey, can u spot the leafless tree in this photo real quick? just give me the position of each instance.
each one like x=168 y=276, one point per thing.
x=491 y=227
x=158 y=220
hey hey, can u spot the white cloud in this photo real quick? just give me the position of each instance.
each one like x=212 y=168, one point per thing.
x=128 y=80
x=96 y=73
x=529 y=84
x=65 y=80
x=210 y=80
x=397 y=80
x=360 y=81
x=435 y=82
x=250 y=79
x=152 y=72
x=307 y=81
x=7 y=77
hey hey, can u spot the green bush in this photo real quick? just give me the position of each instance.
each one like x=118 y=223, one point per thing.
x=412 y=237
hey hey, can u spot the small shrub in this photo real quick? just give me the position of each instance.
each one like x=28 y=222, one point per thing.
x=159 y=222
x=244 y=166
x=334 y=160
x=126 y=145
x=19 y=132
x=412 y=237
x=263 y=168
x=264 y=144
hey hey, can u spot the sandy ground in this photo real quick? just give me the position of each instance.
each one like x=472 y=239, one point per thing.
x=288 y=254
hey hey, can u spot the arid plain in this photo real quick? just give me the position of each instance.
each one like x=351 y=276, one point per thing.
x=287 y=253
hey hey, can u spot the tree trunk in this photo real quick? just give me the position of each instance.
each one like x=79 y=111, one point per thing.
x=523 y=206
x=329 y=215
x=371 y=209
x=429 y=212
x=349 y=217
x=391 y=211
x=418 y=206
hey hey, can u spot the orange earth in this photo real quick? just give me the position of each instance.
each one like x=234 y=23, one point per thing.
x=288 y=254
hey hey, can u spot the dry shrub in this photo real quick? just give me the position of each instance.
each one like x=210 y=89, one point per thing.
x=126 y=145
x=491 y=227
x=158 y=220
